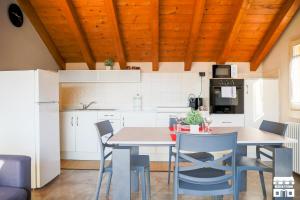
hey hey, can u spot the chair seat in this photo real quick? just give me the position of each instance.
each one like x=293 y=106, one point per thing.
x=12 y=193
x=203 y=173
x=193 y=189
x=245 y=163
x=203 y=156
x=136 y=162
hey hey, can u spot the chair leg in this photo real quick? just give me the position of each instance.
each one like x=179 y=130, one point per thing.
x=262 y=182
x=143 y=180
x=149 y=183
x=108 y=184
x=169 y=164
x=100 y=176
x=236 y=186
x=175 y=186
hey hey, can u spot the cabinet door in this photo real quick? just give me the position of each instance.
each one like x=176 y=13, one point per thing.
x=86 y=132
x=227 y=120
x=67 y=131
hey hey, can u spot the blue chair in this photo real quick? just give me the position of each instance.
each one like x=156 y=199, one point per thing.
x=139 y=163
x=210 y=178
x=15 y=177
x=203 y=156
x=256 y=164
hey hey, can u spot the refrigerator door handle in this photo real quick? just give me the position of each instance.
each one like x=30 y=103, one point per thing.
x=72 y=121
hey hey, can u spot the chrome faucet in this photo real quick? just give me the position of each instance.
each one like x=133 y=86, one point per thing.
x=85 y=107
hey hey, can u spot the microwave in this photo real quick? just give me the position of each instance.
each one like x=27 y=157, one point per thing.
x=224 y=71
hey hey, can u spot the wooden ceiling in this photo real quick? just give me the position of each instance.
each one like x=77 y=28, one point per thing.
x=160 y=30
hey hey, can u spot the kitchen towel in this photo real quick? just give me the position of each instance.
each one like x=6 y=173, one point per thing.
x=228 y=92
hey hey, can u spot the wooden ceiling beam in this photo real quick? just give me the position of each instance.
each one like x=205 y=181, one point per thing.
x=74 y=23
x=112 y=16
x=41 y=30
x=277 y=27
x=155 y=34
x=240 y=10
x=194 y=33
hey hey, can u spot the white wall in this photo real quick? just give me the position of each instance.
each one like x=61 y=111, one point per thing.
x=21 y=48
x=276 y=64
x=168 y=87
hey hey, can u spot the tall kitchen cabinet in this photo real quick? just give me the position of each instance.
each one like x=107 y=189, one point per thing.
x=261 y=103
x=79 y=138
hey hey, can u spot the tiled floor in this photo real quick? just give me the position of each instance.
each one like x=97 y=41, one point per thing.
x=81 y=184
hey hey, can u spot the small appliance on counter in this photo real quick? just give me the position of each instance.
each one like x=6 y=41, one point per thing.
x=195 y=102
x=224 y=71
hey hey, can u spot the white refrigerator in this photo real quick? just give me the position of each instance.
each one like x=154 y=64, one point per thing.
x=29 y=121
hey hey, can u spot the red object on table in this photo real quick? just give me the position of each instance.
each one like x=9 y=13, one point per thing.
x=173 y=136
x=186 y=129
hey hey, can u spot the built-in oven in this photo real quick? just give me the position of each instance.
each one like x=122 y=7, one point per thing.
x=227 y=96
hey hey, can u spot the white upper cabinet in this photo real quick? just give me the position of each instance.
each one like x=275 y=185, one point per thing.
x=105 y=76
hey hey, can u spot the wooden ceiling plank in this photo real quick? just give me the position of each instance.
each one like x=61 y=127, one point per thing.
x=240 y=10
x=74 y=23
x=112 y=15
x=194 y=33
x=277 y=27
x=41 y=30
x=155 y=34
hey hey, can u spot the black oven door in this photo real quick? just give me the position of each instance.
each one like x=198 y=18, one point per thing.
x=219 y=104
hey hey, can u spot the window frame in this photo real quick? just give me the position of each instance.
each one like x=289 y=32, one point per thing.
x=292 y=44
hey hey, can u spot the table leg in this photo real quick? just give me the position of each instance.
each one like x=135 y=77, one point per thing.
x=242 y=151
x=121 y=173
x=134 y=175
x=282 y=167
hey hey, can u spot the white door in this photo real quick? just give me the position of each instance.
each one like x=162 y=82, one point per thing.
x=47 y=142
x=67 y=131
x=261 y=103
x=86 y=132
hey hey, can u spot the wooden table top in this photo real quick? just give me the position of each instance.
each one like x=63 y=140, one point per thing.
x=138 y=136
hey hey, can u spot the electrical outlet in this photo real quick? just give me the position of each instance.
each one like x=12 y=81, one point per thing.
x=201 y=74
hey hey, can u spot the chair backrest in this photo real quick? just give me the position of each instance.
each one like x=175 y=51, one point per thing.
x=273 y=127
x=105 y=132
x=206 y=143
x=172 y=121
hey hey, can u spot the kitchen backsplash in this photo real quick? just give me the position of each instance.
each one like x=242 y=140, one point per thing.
x=156 y=89
x=170 y=86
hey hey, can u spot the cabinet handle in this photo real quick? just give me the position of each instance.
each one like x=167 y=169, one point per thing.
x=247 y=89
x=227 y=122
x=77 y=121
x=108 y=115
x=72 y=121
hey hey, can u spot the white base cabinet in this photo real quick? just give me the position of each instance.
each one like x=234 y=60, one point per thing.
x=79 y=136
x=227 y=120
x=78 y=133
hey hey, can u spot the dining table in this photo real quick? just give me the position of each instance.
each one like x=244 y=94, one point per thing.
x=128 y=140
